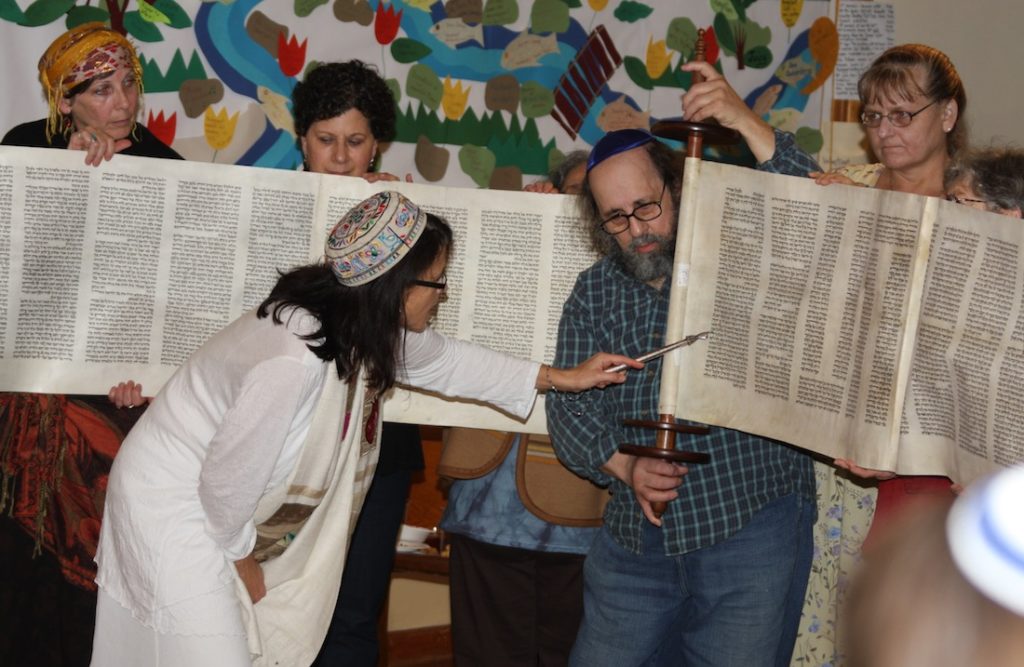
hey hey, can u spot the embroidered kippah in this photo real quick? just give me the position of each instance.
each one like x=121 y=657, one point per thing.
x=986 y=537
x=615 y=142
x=373 y=237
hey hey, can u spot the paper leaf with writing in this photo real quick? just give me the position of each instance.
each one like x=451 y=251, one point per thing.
x=275 y=106
x=527 y=49
x=453 y=32
x=620 y=115
x=501 y=12
x=823 y=41
x=306 y=7
x=471 y=11
x=79 y=15
x=218 y=128
x=536 y=100
x=151 y=14
x=176 y=16
x=629 y=11
x=478 y=163
x=424 y=85
x=431 y=161
x=549 y=16
x=353 y=11
x=502 y=93
x=809 y=139
x=141 y=29
x=196 y=95
x=509 y=177
x=265 y=31
x=405 y=50
x=682 y=36
x=759 y=57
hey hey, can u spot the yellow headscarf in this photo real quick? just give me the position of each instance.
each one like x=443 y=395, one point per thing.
x=81 y=54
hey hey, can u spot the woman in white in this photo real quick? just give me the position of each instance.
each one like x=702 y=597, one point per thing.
x=230 y=501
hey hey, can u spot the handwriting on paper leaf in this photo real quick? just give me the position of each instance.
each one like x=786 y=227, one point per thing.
x=527 y=49
x=453 y=32
x=619 y=115
x=502 y=93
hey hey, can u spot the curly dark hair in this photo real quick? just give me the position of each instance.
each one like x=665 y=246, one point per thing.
x=331 y=89
x=361 y=326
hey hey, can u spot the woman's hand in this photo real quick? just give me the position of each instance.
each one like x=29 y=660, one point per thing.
x=127 y=394
x=380 y=176
x=97 y=144
x=830 y=177
x=251 y=574
x=591 y=373
x=866 y=473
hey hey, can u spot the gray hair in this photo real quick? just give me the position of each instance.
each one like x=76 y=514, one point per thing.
x=572 y=160
x=995 y=174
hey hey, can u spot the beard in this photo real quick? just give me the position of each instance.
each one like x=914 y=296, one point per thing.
x=648 y=266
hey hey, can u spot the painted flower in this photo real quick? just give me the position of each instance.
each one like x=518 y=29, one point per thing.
x=218 y=128
x=291 y=56
x=658 y=58
x=386 y=22
x=163 y=128
x=597 y=5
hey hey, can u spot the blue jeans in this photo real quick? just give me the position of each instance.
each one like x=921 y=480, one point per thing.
x=733 y=603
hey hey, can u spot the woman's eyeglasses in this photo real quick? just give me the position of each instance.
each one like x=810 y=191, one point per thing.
x=645 y=212
x=441 y=284
x=896 y=118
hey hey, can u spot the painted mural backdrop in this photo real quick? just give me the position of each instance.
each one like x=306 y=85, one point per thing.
x=488 y=92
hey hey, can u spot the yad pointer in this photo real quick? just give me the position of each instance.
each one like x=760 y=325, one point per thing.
x=662 y=351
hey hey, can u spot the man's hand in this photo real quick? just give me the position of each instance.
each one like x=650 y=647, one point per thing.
x=652 y=480
x=715 y=98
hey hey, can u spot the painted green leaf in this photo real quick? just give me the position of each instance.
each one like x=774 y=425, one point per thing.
x=10 y=11
x=79 y=15
x=535 y=99
x=395 y=88
x=501 y=12
x=809 y=139
x=757 y=34
x=549 y=16
x=406 y=50
x=637 y=71
x=179 y=18
x=681 y=35
x=478 y=163
x=422 y=84
x=723 y=32
x=726 y=8
x=42 y=12
x=573 y=4
x=758 y=57
x=306 y=7
x=741 y=7
x=629 y=11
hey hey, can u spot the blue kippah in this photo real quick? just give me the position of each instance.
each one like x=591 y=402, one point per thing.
x=615 y=142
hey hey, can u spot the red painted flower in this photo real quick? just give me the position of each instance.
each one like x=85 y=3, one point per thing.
x=163 y=128
x=386 y=22
x=710 y=45
x=291 y=56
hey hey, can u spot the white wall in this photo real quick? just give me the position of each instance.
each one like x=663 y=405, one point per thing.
x=985 y=40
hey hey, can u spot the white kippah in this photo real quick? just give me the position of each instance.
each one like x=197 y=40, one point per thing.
x=985 y=530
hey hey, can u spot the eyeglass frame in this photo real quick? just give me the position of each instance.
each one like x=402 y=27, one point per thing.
x=964 y=200
x=889 y=116
x=633 y=213
x=442 y=284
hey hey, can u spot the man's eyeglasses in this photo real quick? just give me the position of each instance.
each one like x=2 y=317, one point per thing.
x=441 y=284
x=644 y=212
x=964 y=200
x=896 y=118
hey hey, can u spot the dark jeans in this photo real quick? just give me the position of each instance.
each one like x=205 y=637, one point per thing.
x=352 y=636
